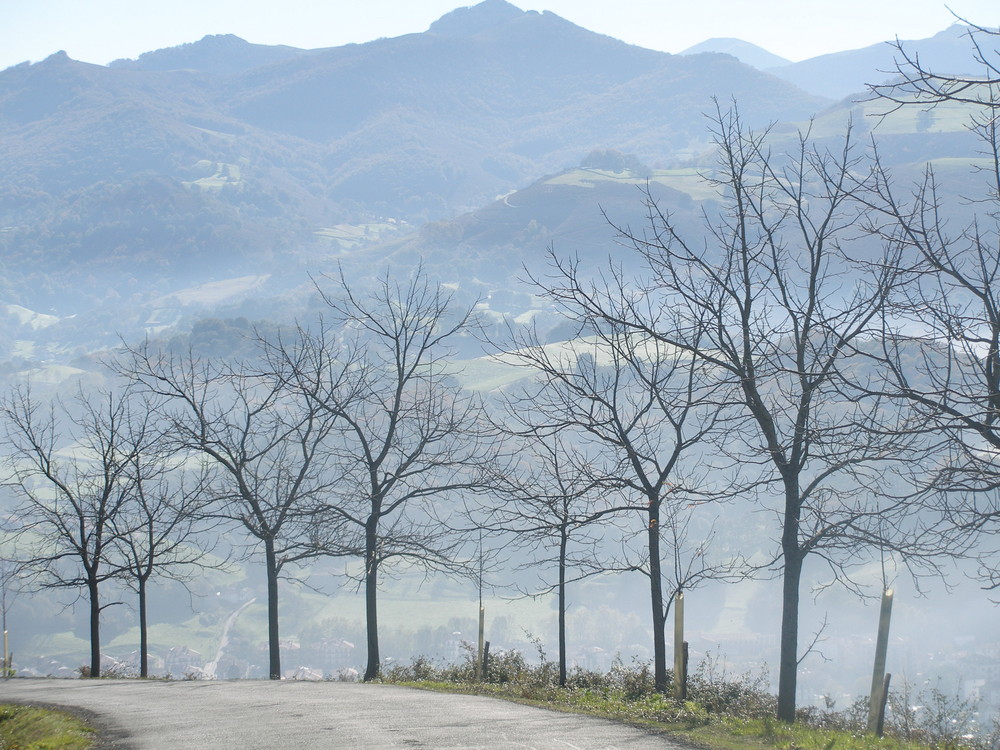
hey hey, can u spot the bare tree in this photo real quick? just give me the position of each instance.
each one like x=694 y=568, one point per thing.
x=408 y=438
x=941 y=347
x=267 y=444
x=774 y=301
x=638 y=409
x=548 y=499
x=70 y=464
x=157 y=530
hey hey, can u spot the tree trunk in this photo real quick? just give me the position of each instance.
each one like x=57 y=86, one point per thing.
x=656 y=600
x=788 y=661
x=143 y=641
x=95 y=628
x=563 y=539
x=273 y=646
x=371 y=598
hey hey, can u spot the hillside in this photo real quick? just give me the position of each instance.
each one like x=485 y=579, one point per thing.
x=140 y=197
x=219 y=158
x=843 y=74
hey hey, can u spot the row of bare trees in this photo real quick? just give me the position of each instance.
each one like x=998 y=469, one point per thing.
x=341 y=439
x=841 y=333
x=827 y=348
x=98 y=499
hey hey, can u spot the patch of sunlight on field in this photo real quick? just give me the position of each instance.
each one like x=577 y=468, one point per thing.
x=58 y=646
x=217 y=175
x=213 y=292
x=487 y=374
x=51 y=374
x=23 y=349
x=31 y=318
x=197 y=634
x=350 y=236
x=689 y=181
x=878 y=116
x=498 y=370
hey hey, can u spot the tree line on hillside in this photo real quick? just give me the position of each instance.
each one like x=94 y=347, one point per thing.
x=828 y=349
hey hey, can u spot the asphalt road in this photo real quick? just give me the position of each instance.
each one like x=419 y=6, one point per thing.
x=247 y=715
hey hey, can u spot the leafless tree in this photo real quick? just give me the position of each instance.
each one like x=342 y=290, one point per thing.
x=942 y=341
x=773 y=298
x=409 y=441
x=266 y=444
x=70 y=462
x=638 y=410
x=157 y=531
x=547 y=498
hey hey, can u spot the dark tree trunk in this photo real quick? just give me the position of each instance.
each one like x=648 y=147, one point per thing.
x=274 y=649
x=371 y=599
x=563 y=539
x=143 y=640
x=792 y=573
x=656 y=600
x=95 y=629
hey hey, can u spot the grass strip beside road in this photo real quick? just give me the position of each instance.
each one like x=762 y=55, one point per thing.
x=31 y=728
x=687 y=723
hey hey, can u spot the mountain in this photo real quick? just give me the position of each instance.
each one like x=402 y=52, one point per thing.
x=842 y=74
x=574 y=212
x=745 y=52
x=223 y=159
x=214 y=178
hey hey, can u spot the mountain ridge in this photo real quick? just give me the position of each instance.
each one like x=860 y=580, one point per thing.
x=220 y=54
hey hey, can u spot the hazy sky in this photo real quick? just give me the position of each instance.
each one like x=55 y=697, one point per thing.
x=99 y=31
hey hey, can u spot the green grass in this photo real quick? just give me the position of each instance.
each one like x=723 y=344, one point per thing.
x=29 y=728
x=687 y=722
x=722 y=712
x=769 y=733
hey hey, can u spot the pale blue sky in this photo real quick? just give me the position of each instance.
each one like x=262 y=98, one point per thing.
x=102 y=30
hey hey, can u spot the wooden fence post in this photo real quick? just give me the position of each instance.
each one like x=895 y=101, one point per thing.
x=680 y=666
x=877 y=698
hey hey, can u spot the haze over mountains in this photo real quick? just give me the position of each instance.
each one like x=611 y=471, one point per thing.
x=221 y=160
x=194 y=192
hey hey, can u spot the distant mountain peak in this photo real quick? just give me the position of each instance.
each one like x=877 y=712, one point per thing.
x=745 y=52
x=473 y=19
x=57 y=58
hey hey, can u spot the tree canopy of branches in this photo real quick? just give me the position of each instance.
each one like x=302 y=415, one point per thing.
x=942 y=342
x=265 y=444
x=407 y=438
x=71 y=464
x=637 y=409
x=157 y=530
x=772 y=301
x=547 y=498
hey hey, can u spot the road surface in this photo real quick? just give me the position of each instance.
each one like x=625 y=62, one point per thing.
x=265 y=715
